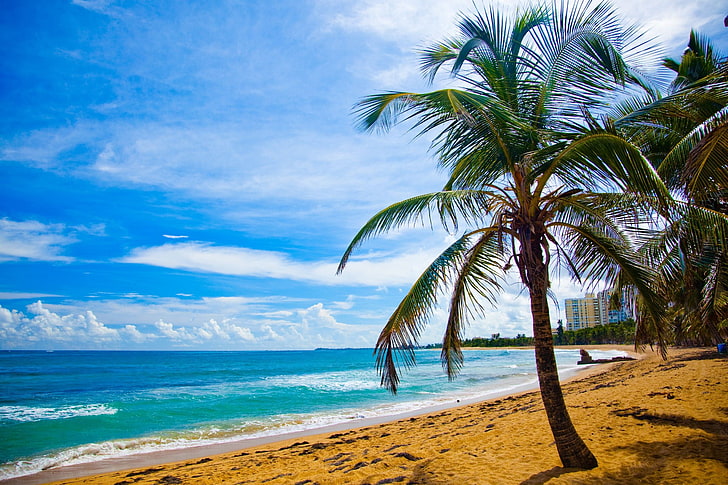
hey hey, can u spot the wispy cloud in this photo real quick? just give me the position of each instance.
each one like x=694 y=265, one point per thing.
x=17 y=295
x=429 y=20
x=301 y=174
x=33 y=240
x=399 y=269
x=426 y=19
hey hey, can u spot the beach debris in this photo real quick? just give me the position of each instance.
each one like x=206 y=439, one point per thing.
x=667 y=394
x=341 y=458
x=294 y=445
x=634 y=411
x=199 y=462
x=585 y=357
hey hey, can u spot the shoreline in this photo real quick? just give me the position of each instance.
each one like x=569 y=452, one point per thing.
x=647 y=421
x=161 y=457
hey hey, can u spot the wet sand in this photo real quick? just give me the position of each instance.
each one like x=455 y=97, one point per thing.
x=647 y=421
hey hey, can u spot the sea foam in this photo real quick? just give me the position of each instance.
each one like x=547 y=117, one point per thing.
x=28 y=413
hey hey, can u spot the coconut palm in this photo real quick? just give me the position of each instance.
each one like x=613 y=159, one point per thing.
x=685 y=135
x=535 y=180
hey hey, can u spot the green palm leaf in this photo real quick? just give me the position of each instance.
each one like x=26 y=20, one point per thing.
x=478 y=279
x=448 y=205
x=396 y=342
x=698 y=161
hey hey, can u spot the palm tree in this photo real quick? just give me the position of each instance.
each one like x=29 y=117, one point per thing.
x=535 y=180
x=685 y=136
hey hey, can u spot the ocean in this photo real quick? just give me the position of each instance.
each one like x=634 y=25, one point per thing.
x=69 y=407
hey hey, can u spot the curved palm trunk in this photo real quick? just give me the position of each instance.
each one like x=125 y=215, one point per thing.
x=572 y=450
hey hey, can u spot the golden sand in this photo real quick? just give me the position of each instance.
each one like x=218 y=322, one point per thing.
x=647 y=421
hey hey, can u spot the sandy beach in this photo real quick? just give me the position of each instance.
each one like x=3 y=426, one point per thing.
x=647 y=421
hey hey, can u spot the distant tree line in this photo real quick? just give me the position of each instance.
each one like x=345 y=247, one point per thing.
x=612 y=333
x=496 y=340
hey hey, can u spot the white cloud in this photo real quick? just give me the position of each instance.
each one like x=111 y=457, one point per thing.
x=43 y=326
x=671 y=21
x=237 y=163
x=218 y=160
x=43 y=148
x=400 y=269
x=95 y=5
x=45 y=329
x=319 y=316
x=167 y=329
x=33 y=240
x=146 y=310
x=345 y=305
x=238 y=323
x=428 y=20
x=132 y=333
x=270 y=334
x=425 y=19
x=18 y=295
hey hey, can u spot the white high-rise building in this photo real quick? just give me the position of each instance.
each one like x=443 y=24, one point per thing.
x=592 y=310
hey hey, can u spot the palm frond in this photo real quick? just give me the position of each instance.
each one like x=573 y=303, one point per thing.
x=608 y=258
x=448 y=205
x=478 y=278
x=395 y=346
x=698 y=162
x=602 y=160
x=581 y=57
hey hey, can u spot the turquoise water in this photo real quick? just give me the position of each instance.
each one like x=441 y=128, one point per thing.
x=60 y=408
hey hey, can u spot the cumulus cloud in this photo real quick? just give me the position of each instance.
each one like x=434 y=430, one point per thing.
x=130 y=332
x=40 y=327
x=33 y=240
x=43 y=328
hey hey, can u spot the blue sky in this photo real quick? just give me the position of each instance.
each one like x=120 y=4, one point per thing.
x=186 y=175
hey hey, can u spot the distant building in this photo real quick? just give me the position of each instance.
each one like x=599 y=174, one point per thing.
x=618 y=315
x=592 y=310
